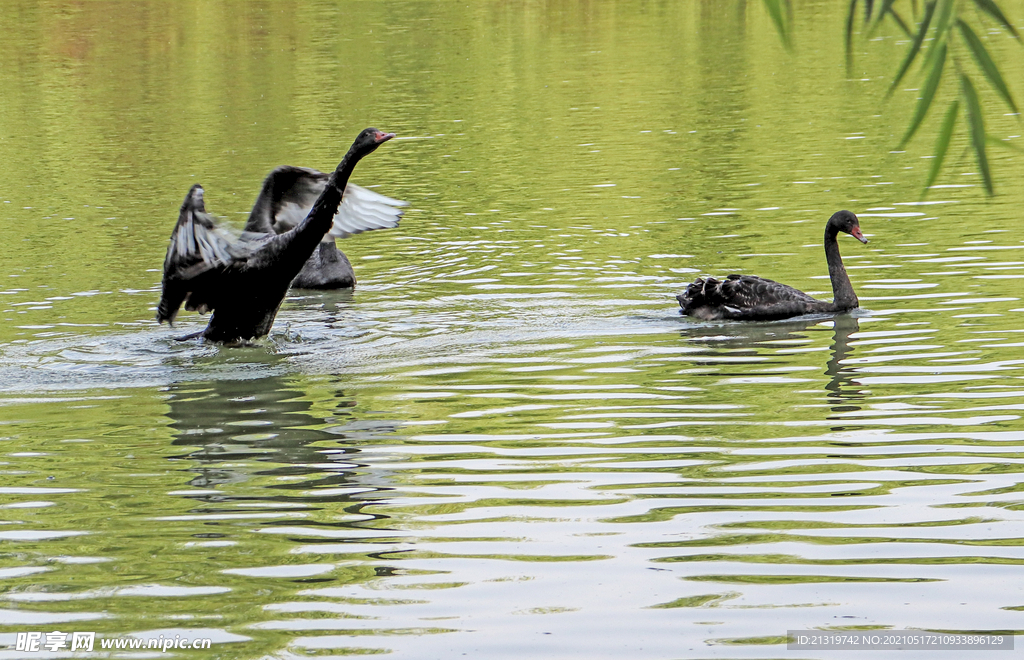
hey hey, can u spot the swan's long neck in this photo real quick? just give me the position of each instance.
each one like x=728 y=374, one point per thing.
x=842 y=290
x=320 y=218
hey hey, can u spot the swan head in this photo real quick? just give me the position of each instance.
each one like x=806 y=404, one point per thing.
x=369 y=139
x=847 y=222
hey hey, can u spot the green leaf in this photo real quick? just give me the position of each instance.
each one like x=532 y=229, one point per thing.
x=943 y=23
x=942 y=144
x=900 y=22
x=915 y=48
x=886 y=6
x=849 y=35
x=976 y=123
x=781 y=12
x=943 y=13
x=993 y=10
x=882 y=11
x=927 y=94
x=985 y=62
x=1003 y=143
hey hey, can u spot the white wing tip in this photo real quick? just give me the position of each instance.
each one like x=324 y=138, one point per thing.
x=365 y=210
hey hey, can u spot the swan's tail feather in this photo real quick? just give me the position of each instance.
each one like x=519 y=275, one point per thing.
x=701 y=292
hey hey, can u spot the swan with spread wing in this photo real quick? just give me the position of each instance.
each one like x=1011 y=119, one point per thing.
x=242 y=278
x=288 y=194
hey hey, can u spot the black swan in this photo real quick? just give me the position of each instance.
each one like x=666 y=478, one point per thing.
x=750 y=298
x=285 y=199
x=243 y=278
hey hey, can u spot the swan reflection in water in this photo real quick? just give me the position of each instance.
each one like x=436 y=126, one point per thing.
x=844 y=394
x=264 y=430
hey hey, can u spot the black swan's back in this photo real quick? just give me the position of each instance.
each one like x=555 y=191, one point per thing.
x=746 y=298
x=751 y=298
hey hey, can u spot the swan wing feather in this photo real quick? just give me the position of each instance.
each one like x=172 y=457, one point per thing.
x=365 y=210
x=745 y=297
x=199 y=249
x=288 y=195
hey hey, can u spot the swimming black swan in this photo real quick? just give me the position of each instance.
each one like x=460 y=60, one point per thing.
x=750 y=298
x=243 y=279
x=287 y=196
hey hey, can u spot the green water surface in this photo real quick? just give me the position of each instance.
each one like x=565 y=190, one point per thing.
x=504 y=442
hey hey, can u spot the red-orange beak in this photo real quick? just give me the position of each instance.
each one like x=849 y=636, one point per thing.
x=383 y=137
x=855 y=232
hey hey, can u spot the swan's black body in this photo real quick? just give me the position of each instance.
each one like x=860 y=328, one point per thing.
x=285 y=199
x=326 y=268
x=751 y=298
x=243 y=279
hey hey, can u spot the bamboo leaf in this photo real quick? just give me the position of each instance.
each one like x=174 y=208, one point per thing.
x=942 y=144
x=943 y=24
x=943 y=15
x=900 y=22
x=1003 y=143
x=927 y=94
x=993 y=10
x=849 y=35
x=882 y=11
x=887 y=8
x=915 y=48
x=780 y=12
x=984 y=61
x=976 y=123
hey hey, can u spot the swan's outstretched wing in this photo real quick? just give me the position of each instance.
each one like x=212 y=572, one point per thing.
x=289 y=192
x=199 y=250
x=365 y=210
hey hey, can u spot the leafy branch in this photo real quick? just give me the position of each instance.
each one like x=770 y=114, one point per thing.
x=944 y=46
x=781 y=12
x=953 y=43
